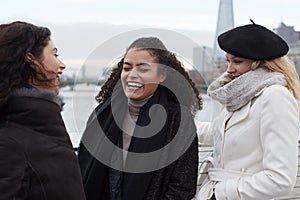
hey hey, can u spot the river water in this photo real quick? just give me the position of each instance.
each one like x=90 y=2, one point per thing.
x=80 y=102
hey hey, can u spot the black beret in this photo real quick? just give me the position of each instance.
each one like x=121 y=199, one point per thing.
x=254 y=42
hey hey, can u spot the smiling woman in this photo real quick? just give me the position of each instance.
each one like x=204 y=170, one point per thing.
x=122 y=150
x=37 y=160
x=48 y=68
x=140 y=75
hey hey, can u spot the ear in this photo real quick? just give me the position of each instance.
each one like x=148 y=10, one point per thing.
x=162 y=76
x=29 y=57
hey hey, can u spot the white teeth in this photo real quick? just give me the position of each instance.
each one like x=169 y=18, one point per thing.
x=136 y=85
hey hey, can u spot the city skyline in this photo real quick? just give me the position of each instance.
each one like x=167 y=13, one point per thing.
x=80 y=26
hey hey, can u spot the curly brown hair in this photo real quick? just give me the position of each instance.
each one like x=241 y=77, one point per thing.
x=169 y=62
x=16 y=40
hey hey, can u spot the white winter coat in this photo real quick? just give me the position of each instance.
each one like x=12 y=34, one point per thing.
x=255 y=148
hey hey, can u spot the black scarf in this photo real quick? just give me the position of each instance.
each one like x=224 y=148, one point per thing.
x=95 y=173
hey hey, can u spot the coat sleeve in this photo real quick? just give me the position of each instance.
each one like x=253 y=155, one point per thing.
x=205 y=134
x=279 y=132
x=12 y=169
x=183 y=181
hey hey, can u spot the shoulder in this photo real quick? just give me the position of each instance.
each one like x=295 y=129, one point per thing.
x=275 y=90
x=277 y=99
x=180 y=115
x=11 y=130
x=277 y=93
x=10 y=142
x=102 y=106
x=176 y=108
x=13 y=133
x=98 y=110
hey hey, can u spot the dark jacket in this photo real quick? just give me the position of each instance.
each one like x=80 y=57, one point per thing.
x=37 y=161
x=175 y=181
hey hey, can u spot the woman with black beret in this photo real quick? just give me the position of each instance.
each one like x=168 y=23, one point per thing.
x=255 y=137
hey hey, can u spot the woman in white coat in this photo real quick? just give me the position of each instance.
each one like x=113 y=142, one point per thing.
x=255 y=137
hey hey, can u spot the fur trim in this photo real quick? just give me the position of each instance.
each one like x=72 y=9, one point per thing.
x=42 y=94
x=235 y=93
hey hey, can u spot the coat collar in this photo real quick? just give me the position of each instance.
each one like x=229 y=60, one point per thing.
x=36 y=93
x=35 y=110
x=235 y=117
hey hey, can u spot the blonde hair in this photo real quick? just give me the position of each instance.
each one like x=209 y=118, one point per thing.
x=285 y=66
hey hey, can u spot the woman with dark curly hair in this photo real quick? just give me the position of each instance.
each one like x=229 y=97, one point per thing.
x=37 y=161
x=140 y=143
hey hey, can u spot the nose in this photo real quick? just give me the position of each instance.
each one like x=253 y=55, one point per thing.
x=230 y=69
x=62 y=66
x=133 y=72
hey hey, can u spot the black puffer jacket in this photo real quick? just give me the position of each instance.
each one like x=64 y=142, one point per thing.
x=37 y=161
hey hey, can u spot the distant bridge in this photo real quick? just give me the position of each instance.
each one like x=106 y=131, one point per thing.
x=71 y=82
x=200 y=84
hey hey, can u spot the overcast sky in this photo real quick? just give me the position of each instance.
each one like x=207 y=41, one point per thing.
x=183 y=14
x=194 y=18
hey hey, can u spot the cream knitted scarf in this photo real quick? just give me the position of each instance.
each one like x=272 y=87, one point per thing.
x=235 y=93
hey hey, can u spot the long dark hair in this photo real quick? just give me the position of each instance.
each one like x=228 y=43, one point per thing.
x=16 y=40
x=165 y=58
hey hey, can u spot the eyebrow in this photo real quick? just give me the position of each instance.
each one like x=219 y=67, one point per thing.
x=126 y=63
x=144 y=64
x=140 y=64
